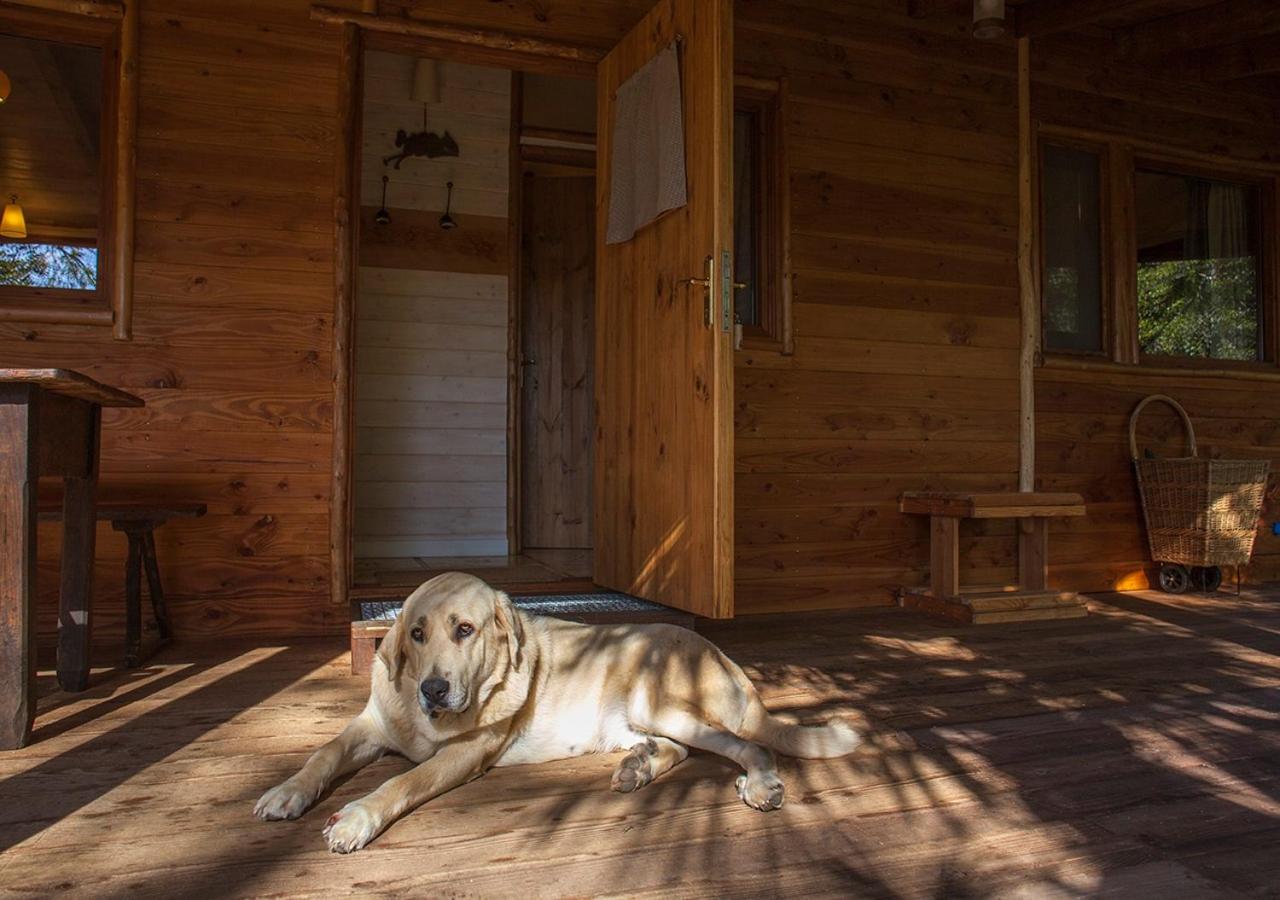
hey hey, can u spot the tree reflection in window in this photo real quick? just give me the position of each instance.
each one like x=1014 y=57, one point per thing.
x=1198 y=267
x=65 y=266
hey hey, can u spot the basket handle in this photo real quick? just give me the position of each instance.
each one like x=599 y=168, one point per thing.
x=1163 y=398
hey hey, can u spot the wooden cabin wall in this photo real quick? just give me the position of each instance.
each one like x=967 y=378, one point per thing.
x=1082 y=416
x=430 y=468
x=903 y=140
x=232 y=325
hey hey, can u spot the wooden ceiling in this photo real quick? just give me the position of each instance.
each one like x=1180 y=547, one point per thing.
x=1218 y=41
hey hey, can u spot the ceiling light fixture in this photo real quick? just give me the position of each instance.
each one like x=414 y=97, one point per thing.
x=988 y=19
x=383 y=215
x=447 y=221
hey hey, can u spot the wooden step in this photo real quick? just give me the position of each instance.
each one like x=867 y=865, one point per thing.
x=1006 y=601
x=1030 y=615
x=993 y=607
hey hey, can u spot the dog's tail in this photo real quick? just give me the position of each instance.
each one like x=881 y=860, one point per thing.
x=836 y=738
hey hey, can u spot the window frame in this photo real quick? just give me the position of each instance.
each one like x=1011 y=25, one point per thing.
x=108 y=304
x=1267 y=301
x=1120 y=161
x=1106 y=273
x=767 y=99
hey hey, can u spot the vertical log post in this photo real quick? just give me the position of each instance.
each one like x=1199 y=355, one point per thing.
x=345 y=235
x=1029 y=300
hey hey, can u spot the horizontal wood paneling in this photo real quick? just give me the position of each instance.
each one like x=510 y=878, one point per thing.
x=1082 y=416
x=905 y=307
x=431 y=335
x=232 y=320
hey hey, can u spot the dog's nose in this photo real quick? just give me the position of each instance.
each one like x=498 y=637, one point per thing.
x=435 y=689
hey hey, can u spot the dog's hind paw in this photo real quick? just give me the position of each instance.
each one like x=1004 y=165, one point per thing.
x=762 y=791
x=284 y=801
x=635 y=770
x=351 y=828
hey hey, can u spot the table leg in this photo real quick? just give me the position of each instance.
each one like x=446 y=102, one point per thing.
x=133 y=601
x=18 y=474
x=79 y=517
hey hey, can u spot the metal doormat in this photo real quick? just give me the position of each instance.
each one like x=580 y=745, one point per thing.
x=537 y=604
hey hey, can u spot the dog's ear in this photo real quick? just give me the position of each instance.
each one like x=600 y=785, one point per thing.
x=391 y=651
x=509 y=622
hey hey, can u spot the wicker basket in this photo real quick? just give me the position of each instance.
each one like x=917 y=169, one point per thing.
x=1199 y=512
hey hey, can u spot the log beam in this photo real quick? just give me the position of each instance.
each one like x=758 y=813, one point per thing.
x=1259 y=56
x=1045 y=17
x=1211 y=26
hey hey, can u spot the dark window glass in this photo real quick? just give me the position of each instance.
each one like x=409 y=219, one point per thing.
x=746 y=214
x=1072 y=267
x=1197 y=245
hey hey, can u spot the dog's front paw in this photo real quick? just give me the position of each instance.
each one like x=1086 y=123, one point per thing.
x=762 y=791
x=351 y=827
x=284 y=801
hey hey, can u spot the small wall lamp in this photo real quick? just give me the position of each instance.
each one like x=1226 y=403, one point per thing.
x=4 y=86
x=13 y=224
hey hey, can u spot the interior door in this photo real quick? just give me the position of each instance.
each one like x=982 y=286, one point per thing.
x=663 y=495
x=557 y=338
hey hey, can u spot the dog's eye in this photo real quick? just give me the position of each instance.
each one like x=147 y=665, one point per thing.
x=465 y=629
x=416 y=634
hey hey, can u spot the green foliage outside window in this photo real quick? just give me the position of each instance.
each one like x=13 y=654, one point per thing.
x=1206 y=308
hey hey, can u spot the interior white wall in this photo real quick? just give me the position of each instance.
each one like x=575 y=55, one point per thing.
x=431 y=346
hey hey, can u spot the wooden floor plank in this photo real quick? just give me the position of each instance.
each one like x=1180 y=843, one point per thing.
x=1132 y=753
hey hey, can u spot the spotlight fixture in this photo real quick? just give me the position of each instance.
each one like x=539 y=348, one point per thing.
x=382 y=216
x=447 y=221
x=988 y=19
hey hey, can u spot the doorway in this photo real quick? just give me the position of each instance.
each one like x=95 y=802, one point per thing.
x=661 y=494
x=474 y=342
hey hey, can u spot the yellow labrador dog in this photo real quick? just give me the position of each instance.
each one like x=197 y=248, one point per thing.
x=464 y=681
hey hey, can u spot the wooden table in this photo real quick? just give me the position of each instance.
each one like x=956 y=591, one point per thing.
x=50 y=425
x=1031 y=599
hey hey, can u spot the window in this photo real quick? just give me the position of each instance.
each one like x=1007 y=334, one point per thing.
x=52 y=167
x=1151 y=259
x=1071 y=277
x=760 y=198
x=1198 y=267
x=61 y=142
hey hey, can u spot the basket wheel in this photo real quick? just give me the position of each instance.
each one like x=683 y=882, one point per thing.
x=1207 y=578
x=1174 y=578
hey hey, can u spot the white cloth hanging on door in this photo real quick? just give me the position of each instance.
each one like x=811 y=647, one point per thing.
x=647 y=168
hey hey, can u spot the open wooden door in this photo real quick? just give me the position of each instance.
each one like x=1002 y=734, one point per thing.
x=663 y=499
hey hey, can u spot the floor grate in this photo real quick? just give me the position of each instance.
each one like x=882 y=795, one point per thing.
x=541 y=604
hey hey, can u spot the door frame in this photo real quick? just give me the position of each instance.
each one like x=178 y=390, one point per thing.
x=481 y=47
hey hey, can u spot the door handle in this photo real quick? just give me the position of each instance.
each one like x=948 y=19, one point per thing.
x=706 y=284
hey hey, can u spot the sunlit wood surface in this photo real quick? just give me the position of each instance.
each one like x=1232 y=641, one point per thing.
x=1132 y=753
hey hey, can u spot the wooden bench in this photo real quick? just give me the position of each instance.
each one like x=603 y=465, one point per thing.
x=138 y=523
x=1031 y=599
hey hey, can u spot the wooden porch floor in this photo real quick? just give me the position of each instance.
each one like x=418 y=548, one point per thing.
x=1133 y=753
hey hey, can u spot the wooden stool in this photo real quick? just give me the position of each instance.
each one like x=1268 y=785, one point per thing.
x=138 y=523
x=1031 y=599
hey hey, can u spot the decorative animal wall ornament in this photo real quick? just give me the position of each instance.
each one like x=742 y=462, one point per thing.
x=421 y=143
